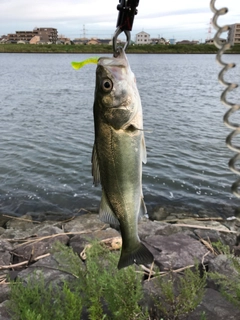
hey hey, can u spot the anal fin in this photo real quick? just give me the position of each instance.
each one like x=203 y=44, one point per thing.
x=105 y=213
x=143 y=209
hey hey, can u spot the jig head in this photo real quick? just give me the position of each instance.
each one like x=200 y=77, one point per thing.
x=229 y=87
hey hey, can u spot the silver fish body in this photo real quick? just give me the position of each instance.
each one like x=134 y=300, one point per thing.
x=118 y=152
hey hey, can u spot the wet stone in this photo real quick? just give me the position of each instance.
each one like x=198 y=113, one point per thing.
x=229 y=239
x=28 y=252
x=215 y=307
x=78 y=242
x=49 y=269
x=147 y=227
x=4 y=314
x=175 y=251
x=2 y=230
x=83 y=223
x=23 y=223
x=4 y=293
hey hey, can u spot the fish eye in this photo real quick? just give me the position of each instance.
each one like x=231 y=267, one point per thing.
x=107 y=85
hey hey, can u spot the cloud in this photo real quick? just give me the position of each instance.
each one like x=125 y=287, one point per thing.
x=181 y=12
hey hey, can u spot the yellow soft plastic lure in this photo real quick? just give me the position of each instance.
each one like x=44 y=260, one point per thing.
x=78 y=65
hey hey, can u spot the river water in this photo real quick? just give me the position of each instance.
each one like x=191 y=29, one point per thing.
x=46 y=131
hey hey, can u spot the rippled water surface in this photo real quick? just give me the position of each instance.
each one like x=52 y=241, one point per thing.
x=46 y=131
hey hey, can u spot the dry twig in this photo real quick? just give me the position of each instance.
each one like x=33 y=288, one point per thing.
x=196 y=219
x=26 y=240
x=202 y=227
x=20 y=219
x=12 y=266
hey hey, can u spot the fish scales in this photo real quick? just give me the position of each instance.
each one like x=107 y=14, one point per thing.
x=118 y=153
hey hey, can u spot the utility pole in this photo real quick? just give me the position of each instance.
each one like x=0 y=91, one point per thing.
x=84 y=32
x=209 y=36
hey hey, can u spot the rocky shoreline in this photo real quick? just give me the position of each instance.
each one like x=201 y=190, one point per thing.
x=177 y=238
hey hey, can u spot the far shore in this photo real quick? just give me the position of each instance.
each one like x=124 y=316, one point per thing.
x=99 y=49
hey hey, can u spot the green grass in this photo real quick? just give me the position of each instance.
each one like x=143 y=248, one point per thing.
x=182 y=49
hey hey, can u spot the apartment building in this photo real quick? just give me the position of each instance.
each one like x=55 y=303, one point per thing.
x=143 y=38
x=234 y=34
x=45 y=34
x=21 y=35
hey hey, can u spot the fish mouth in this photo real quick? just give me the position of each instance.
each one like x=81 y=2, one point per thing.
x=124 y=105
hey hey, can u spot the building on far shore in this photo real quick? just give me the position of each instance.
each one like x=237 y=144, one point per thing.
x=35 y=40
x=187 y=42
x=172 y=41
x=47 y=35
x=3 y=39
x=143 y=38
x=211 y=41
x=234 y=34
x=159 y=41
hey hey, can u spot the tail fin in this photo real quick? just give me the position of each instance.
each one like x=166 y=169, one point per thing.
x=140 y=255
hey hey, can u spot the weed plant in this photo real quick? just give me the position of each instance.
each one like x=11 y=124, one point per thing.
x=101 y=291
x=229 y=284
x=99 y=287
x=179 y=295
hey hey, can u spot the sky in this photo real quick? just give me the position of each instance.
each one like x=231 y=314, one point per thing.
x=181 y=20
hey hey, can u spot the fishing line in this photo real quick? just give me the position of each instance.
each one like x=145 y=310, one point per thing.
x=229 y=87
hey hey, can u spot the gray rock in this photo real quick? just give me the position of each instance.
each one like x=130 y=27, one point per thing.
x=4 y=315
x=5 y=245
x=3 y=220
x=216 y=236
x=2 y=230
x=84 y=223
x=46 y=230
x=5 y=255
x=30 y=251
x=15 y=234
x=175 y=251
x=4 y=293
x=215 y=307
x=50 y=269
x=159 y=214
x=148 y=227
x=5 y=258
x=78 y=242
x=17 y=223
x=222 y=264
x=169 y=212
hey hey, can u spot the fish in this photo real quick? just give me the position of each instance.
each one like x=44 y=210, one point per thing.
x=118 y=152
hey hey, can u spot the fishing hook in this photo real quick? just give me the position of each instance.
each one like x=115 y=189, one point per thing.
x=229 y=87
x=115 y=36
x=127 y=11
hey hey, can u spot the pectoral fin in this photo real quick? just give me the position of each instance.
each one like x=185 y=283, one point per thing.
x=143 y=209
x=95 y=167
x=105 y=213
